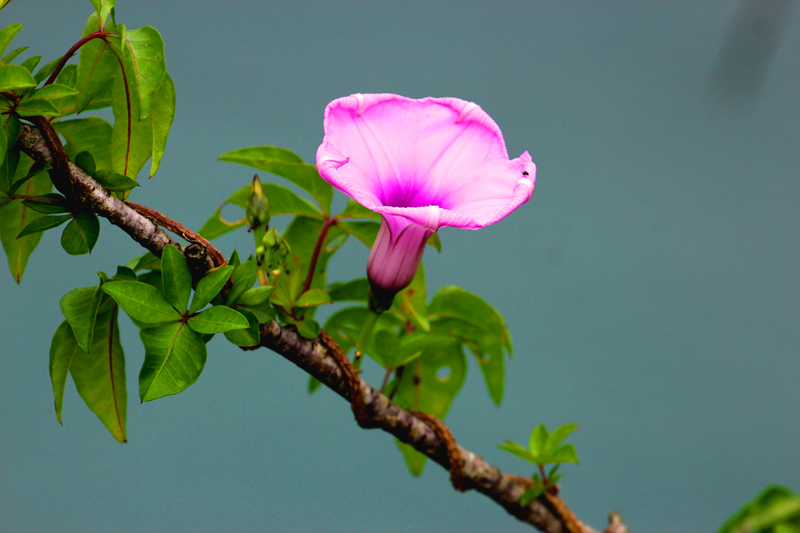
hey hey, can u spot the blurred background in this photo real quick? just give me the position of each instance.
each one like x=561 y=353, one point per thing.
x=650 y=284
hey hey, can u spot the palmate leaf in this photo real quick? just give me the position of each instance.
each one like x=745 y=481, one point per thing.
x=285 y=164
x=430 y=384
x=282 y=201
x=174 y=357
x=15 y=216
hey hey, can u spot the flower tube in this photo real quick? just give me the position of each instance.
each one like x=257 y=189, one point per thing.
x=421 y=164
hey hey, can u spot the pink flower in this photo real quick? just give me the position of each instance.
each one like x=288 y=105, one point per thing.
x=422 y=164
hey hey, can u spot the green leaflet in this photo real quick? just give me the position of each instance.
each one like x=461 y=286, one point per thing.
x=15 y=77
x=356 y=290
x=256 y=295
x=15 y=216
x=354 y=209
x=174 y=357
x=364 y=231
x=53 y=91
x=163 y=115
x=775 y=510
x=141 y=301
x=12 y=55
x=282 y=201
x=176 y=278
x=90 y=134
x=62 y=350
x=248 y=336
x=7 y=34
x=243 y=278
x=412 y=302
x=80 y=235
x=285 y=164
x=144 y=51
x=430 y=384
x=99 y=375
x=103 y=8
x=29 y=108
x=79 y=307
x=209 y=287
x=42 y=224
x=218 y=319
x=97 y=66
x=30 y=63
x=313 y=298
x=544 y=447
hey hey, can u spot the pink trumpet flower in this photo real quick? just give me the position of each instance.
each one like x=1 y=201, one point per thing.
x=421 y=164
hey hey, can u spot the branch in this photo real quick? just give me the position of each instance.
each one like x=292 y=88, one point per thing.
x=90 y=195
x=548 y=513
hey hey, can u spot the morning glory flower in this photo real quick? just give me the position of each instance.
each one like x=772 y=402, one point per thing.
x=421 y=164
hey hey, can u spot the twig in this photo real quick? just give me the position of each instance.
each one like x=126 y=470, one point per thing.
x=317 y=249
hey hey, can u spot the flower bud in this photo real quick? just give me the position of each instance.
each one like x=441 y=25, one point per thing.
x=257 y=205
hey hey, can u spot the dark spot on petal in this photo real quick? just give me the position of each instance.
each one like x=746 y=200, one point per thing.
x=524 y=172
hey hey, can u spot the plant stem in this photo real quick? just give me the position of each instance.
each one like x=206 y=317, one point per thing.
x=258 y=235
x=386 y=379
x=544 y=476
x=75 y=47
x=317 y=249
x=363 y=339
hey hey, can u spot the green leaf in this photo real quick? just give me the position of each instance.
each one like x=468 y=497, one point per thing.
x=63 y=348
x=243 y=278
x=80 y=235
x=163 y=115
x=42 y=224
x=29 y=108
x=15 y=216
x=114 y=182
x=53 y=91
x=385 y=348
x=131 y=138
x=351 y=291
x=363 y=231
x=430 y=384
x=148 y=261
x=69 y=104
x=308 y=328
x=412 y=302
x=104 y=10
x=285 y=164
x=468 y=317
x=302 y=234
x=249 y=336
x=85 y=161
x=124 y=274
x=30 y=63
x=356 y=210
x=282 y=201
x=97 y=66
x=775 y=510
x=515 y=449
x=8 y=168
x=256 y=295
x=90 y=134
x=537 y=443
x=99 y=375
x=218 y=319
x=558 y=436
x=79 y=307
x=48 y=208
x=7 y=34
x=313 y=384
x=530 y=495
x=434 y=241
x=414 y=344
x=209 y=287
x=312 y=298
x=146 y=49
x=141 y=301
x=12 y=55
x=564 y=454
x=46 y=70
x=15 y=78
x=174 y=357
x=176 y=279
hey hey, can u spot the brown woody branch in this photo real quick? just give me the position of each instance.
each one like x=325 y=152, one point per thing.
x=548 y=513
x=73 y=182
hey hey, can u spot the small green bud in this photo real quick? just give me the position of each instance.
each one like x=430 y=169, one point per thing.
x=270 y=239
x=257 y=205
x=284 y=249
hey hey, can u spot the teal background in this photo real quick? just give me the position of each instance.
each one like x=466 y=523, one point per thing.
x=650 y=284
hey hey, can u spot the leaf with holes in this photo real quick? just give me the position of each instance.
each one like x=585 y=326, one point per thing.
x=430 y=384
x=80 y=235
x=99 y=375
x=457 y=312
x=174 y=357
x=15 y=216
x=285 y=164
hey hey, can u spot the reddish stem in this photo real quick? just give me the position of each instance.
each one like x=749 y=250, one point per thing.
x=317 y=249
x=71 y=51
